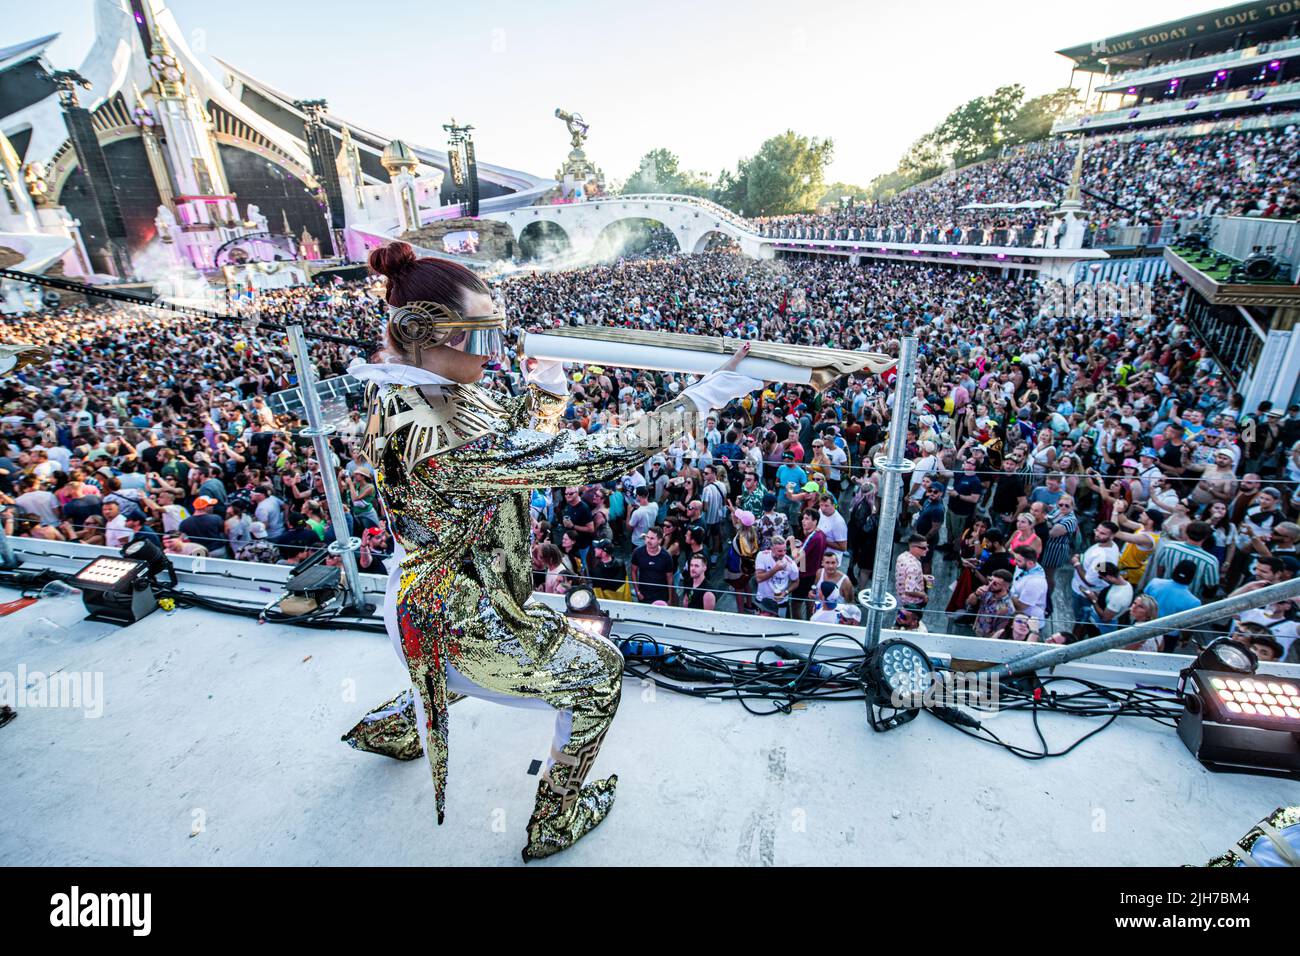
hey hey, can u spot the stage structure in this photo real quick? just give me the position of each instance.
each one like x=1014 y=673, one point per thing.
x=464 y=167
x=193 y=159
x=579 y=177
x=102 y=221
x=320 y=146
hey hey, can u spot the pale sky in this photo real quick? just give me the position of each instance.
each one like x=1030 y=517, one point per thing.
x=709 y=80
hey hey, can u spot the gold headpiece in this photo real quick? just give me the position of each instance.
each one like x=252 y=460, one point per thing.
x=424 y=325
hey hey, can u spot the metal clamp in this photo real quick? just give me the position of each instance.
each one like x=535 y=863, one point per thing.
x=903 y=467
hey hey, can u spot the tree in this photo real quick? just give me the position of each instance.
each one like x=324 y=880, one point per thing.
x=660 y=172
x=786 y=175
x=834 y=194
x=978 y=127
x=1035 y=118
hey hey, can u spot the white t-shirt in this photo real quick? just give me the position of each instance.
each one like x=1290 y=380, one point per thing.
x=839 y=458
x=1092 y=559
x=834 y=527
x=116 y=533
x=642 y=520
x=1118 y=598
x=1031 y=591
x=782 y=580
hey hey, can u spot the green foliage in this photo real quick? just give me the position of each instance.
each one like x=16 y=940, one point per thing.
x=834 y=194
x=786 y=175
x=976 y=130
x=1034 y=120
x=660 y=172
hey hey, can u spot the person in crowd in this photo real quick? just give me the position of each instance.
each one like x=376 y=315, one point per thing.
x=1029 y=584
x=992 y=605
x=651 y=571
x=776 y=574
x=911 y=583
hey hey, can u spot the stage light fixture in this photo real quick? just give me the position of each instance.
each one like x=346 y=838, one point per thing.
x=583 y=612
x=1225 y=654
x=1235 y=720
x=116 y=589
x=145 y=551
x=896 y=676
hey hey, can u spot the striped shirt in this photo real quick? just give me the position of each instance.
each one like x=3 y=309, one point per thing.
x=1170 y=553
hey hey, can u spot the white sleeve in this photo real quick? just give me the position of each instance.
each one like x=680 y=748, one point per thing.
x=548 y=375
x=718 y=388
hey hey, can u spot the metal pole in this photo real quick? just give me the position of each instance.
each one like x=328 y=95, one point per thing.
x=893 y=465
x=344 y=545
x=1214 y=611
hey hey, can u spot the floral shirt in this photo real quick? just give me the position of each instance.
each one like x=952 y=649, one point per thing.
x=909 y=579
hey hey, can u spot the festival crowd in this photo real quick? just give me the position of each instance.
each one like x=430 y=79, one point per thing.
x=1148 y=179
x=1072 y=473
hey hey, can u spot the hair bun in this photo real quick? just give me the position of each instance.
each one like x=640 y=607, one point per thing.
x=393 y=259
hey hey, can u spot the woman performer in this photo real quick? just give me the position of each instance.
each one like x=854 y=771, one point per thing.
x=455 y=465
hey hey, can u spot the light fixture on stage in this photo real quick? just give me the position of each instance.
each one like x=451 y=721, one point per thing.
x=116 y=589
x=1235 y=720
x=583 y=611
x=896 y=676
x=144 y=550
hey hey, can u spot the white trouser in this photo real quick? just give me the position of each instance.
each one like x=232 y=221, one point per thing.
x=458 y=683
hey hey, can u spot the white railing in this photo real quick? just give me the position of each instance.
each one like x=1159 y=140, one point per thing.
x=708 y=205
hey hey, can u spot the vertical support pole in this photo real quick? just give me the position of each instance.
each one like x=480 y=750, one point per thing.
x=893 y=465
x=344 y=545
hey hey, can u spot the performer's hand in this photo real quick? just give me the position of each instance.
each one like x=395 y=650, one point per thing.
x=739 y=356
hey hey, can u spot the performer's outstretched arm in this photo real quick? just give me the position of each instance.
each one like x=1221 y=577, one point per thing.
x=530 y=458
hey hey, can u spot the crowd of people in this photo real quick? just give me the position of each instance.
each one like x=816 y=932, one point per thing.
x=1147 y=179
x=1072 y=473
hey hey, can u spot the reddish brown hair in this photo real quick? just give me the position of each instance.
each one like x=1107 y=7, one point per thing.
x=412 y=279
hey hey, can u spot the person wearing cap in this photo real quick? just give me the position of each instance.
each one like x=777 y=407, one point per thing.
x=205 y=528
x=1147 y=469
x=790 y=480
x=1217 y=482
x=141 y=531
x=1174 y=594
x=607 y=574
x=1105 y=605
x=850 y=614
x=740 y=556
x=930 y=520
x=1139 y=533
x=826 y=604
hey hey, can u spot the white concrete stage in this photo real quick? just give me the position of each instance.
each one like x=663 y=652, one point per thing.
x=219 y=745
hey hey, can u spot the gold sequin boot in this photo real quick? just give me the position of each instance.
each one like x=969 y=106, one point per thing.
x=566 y=809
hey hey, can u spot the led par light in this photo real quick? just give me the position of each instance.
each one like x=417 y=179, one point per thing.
x=116 y=589
x=1237 y=721
x=584 y=613
x=896 y=676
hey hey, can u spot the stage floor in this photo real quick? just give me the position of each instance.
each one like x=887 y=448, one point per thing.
x=219 y=744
